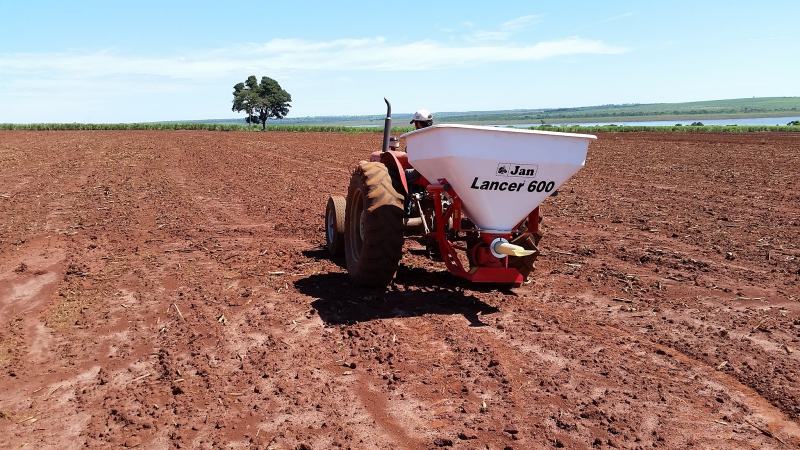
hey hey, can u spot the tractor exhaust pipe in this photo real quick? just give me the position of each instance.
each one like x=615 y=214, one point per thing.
x=387 y=125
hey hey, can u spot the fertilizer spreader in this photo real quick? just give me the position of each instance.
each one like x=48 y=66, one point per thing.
x=469 y=194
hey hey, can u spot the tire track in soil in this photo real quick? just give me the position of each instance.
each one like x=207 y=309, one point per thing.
x=703 y=316
x=647 y=352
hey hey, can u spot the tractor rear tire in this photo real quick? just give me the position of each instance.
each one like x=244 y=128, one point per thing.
x=334 y=225
x=374 y=226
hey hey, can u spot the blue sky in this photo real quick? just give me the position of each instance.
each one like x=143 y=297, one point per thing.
x=93 y=61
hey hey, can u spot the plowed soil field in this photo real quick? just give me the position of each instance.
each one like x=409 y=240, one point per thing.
x=170 y=289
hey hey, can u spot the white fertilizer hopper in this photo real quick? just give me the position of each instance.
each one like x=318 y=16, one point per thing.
x=500 y=174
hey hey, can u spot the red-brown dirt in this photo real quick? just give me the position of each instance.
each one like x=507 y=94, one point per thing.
x=169 y=289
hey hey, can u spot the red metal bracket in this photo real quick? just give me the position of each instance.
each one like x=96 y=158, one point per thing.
x=504 y=275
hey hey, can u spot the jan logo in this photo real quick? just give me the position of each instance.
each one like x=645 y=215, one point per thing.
x=517 y=170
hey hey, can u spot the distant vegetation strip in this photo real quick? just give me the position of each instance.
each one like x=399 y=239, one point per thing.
x=345 y=129
x=724 y=109
x=196 y=126
x=778 y=107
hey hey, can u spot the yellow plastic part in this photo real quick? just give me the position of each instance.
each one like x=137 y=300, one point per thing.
x=512 y=250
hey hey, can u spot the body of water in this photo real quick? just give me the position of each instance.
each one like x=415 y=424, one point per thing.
x=669 y=123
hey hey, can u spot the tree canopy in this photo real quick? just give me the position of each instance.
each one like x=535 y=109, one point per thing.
x=260 y=101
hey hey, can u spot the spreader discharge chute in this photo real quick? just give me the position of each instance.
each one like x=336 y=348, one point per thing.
x=470 y=194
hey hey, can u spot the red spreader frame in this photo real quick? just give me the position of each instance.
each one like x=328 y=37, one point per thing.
x=485 y=267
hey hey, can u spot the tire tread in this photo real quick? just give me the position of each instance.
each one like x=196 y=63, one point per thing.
x=382 y=246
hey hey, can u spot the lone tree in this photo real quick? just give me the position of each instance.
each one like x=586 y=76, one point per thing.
x=261 y=100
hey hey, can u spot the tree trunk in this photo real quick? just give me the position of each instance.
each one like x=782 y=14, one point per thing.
x=263 y=125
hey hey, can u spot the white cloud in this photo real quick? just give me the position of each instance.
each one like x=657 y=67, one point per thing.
x=483 y=35
x=89 y=85
x=505 y=30
x=300 y=45
x=520 y=22
x=281 y=55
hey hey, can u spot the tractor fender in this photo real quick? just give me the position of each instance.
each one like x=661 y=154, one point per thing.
x=397 y=163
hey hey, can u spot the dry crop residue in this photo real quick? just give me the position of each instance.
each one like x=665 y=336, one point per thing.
x=164 y=289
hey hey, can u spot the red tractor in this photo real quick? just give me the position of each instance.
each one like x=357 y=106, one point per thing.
x=469 y=194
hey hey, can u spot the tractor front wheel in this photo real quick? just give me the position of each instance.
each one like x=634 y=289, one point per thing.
x=334 y=225
x=373 y=226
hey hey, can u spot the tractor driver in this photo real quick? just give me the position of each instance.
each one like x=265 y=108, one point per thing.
x=422 y=119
